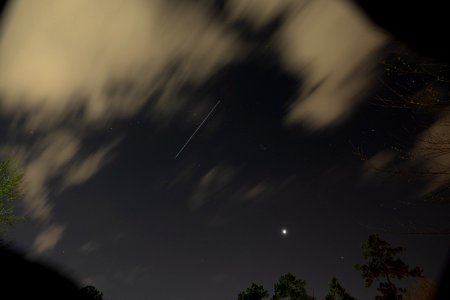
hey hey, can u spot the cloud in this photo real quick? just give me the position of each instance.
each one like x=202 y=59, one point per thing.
x=83 y=169
x=40 y=163
x=258 y=12
x=379 y=162
x=211 y=184
x=330 y=45
x=224 y=183
x=55 y=156
x=106 y=56
x=88 y=247
x=255 y=191
x=432 y=151
x=428 y=159
x=47 y=239
x=67 y=68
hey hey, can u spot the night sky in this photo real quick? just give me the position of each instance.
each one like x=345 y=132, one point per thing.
x=95 y=114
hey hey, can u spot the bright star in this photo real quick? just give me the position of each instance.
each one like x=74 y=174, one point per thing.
x=284 y=231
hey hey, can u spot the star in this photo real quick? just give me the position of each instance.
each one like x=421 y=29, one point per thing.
x=284 y=231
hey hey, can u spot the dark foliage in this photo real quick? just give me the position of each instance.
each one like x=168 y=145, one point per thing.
x=384 y=266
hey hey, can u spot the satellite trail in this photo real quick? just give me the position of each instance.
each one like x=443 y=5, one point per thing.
x=198 y=127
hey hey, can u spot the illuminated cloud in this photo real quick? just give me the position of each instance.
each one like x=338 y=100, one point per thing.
x=69 y=67
x=40 y=163
x=84 y=168
x=88 y=247
x=379 y=162
x=332 y=45
x=105 y=57
x=428 y=159
x=259 y=12
x=47 y=239
x=255 y=191
x=433 y=152
x=329 y=45
x=210 y=185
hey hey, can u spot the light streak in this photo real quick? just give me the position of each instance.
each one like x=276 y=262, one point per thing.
x=198 y=127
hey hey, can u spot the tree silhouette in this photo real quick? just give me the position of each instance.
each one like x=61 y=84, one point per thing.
x=382 y=266
x=416 y=87
x=291 y=288
x=91 y=292
x=287 y=287
x=419 y=86
x=10 y=181
x=254 y=292
x=337 y=292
